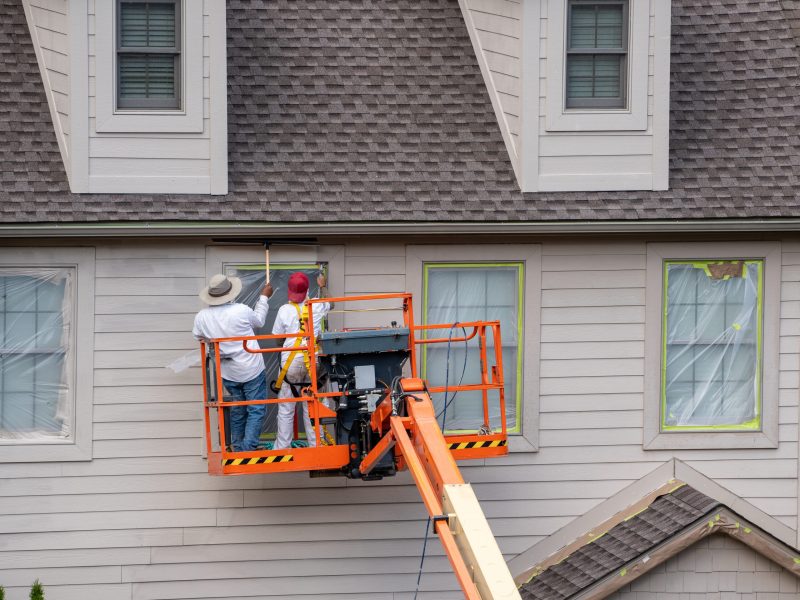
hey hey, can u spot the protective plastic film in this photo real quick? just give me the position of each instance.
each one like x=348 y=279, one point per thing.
x=473 y=292
x=712 y=345
x=253 y=280
x=35 y=374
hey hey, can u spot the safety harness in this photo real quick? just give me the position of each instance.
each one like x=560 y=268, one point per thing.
x=302 y=315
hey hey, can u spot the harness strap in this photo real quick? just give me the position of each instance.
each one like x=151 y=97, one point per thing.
x=298 y=341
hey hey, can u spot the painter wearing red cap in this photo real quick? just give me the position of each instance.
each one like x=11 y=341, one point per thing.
x=298 y=287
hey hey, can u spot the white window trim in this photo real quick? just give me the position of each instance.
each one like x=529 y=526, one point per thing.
x=189 y=119
x=631 y=118
x=79 y=447
x=531 y=256
x=654 y=438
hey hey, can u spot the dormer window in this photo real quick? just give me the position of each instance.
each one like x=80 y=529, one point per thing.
x=597 y=49
x=148 y=55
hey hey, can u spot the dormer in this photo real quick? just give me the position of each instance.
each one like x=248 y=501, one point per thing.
x=580 y=89
x=137 y=90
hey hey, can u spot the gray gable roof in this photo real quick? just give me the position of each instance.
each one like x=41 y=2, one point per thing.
x=346 y=111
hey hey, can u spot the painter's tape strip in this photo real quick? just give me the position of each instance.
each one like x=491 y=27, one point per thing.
x=470 y=445
x=259 y=460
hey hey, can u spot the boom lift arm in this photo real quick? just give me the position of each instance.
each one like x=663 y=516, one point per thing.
x=381 y=428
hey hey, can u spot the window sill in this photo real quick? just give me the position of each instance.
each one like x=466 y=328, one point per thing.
x=704 y=440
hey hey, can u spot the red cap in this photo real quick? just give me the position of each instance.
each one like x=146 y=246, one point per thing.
x=298 y=287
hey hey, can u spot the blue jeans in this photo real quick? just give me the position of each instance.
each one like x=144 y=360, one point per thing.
x=246 y=421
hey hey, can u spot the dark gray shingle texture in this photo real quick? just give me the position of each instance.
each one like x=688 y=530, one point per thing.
x=349 y=111
x=666 y=516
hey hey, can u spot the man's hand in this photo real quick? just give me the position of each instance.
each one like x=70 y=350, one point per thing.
x=322 y=281
x=267 y=291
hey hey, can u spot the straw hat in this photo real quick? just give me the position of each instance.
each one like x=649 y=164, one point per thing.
x=221 y=289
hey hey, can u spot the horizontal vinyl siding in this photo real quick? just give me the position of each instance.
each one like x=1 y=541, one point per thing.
x=498 y=26
x=143 y=162
x=145 y=520
x=613 y=160
x=51 y=33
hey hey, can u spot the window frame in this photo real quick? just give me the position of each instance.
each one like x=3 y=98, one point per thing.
x=520 y=275
x=173 y=103
x=620 y=102
x=656 y=437
x=79 y=446
x=530 y=255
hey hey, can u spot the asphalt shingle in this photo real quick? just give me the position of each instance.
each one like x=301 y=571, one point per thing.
x=344 y=111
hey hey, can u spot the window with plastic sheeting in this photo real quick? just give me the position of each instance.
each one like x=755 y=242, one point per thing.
x=148 y=54
x=253 y=279
x=597 y=49
x=464 y=292
x=712 y=336
x=36 y=316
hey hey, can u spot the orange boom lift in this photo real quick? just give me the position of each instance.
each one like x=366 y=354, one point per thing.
x=373 y=416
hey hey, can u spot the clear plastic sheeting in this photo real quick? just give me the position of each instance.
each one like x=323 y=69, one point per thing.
x=464 y=293
x=253 y=280
x=712 y=345
x=36 y=309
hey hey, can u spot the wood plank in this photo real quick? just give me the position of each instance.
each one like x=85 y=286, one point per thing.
x=595 y=145
x=593 y=279
x=506 y=25
x=505 y=8
x=165 y=148
x=594 y=262
x=122 y=502
x=129 y=249
x=119 y=591
x=32 y=559
x=177 y=323
x=591 y=247
x=92 y=521
x=143 y=305
x=181 y=399
x=589 y=385
x=143 y=430
x=593 y=297
x=134 y=166
x=584 y=350
x=593 y=314
x=591 y=367
x=135 y=359
x=146 y=377
x=376 y=266
x=146 y=267
x=147 y=286
x=82 y=575
x=591 y=402
x=370 y=284
x=149 y=340
x=592 y=420
x=144 y=448
x=628 y=332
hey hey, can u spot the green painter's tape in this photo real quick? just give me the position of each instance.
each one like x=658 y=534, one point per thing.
x=427 y=267
x=753 y=424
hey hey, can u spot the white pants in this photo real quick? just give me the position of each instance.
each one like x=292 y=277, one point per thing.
x=297 y=372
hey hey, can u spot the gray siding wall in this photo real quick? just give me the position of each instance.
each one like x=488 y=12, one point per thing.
x=50 y=35
x=144 y=520
x=718 y=567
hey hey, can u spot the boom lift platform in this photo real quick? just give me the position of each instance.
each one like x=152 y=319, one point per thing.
x=373 y=416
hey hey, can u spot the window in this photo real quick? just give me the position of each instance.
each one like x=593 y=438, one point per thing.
x=35 y=325
x=148 y=54
x=597 y=47
x=712 y=323
x=46 y=354
x=253 y=280
x=462 y=292
x=712 y=345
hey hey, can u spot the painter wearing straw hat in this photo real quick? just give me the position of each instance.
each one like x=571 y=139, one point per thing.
x=242 y=372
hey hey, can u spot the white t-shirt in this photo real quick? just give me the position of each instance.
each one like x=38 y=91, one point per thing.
x=286 y=321
x=234 y=320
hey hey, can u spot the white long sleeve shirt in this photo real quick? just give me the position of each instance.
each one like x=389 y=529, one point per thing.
x=234 y=320
x=286 y=321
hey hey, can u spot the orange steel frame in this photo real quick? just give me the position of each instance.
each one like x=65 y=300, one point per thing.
x=460 y=446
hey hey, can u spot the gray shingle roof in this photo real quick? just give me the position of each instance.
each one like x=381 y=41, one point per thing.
x=346 y=111
x=666 y=516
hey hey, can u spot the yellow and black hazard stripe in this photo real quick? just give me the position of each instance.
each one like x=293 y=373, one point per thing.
x=469 y=445
x=259 y=460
